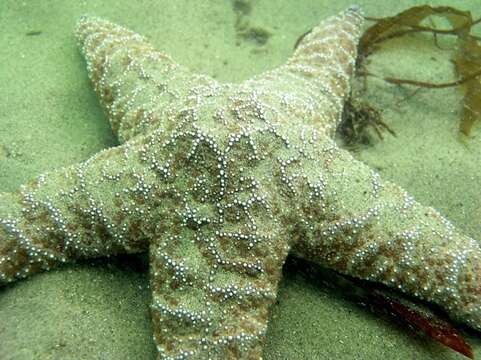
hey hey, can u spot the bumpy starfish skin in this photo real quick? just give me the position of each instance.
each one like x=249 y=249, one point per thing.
x=219 y=182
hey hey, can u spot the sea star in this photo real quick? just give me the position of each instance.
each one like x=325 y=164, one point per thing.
x=219 y=182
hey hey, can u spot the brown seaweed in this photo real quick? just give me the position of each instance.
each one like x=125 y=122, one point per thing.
x=357 y=117
x=467 y=58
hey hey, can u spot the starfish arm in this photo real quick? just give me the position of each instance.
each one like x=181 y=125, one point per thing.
x=374 y=230
x=206 y=303
x=199 y=199
x=322 y=66
x=136 y=84
x=216 y=265
x=88 y=210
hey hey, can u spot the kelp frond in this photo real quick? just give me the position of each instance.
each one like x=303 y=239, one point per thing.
x=467 y=58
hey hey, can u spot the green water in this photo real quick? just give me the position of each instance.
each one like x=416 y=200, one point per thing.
x=49 y=117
